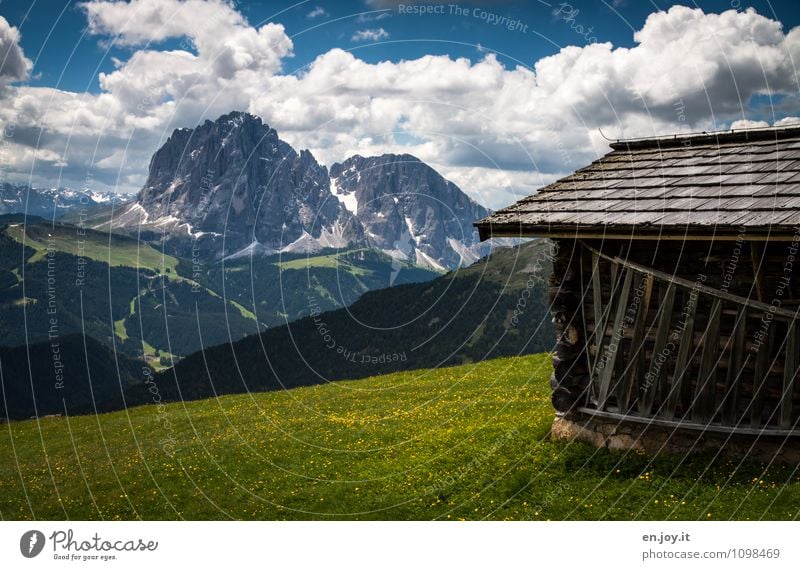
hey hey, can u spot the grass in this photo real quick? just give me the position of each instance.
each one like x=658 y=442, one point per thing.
x=120 y=330
x=149 y=355
x=333 y=261
x=94 y=245
x=468 y=442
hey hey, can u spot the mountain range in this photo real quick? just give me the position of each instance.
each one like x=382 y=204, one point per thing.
x=52 y=203
x=231 y=188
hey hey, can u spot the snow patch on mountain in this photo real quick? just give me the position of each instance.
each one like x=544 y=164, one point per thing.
x=467 y=255
x=349 y=201
x=49 y=202
x=425 y=260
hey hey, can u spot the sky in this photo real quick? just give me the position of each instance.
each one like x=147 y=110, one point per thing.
x=501 y=97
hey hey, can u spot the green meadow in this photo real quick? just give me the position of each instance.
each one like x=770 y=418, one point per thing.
x=466 y=442
x=109 y=248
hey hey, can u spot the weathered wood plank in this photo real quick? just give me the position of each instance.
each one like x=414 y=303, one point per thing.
x=682 y=360
x=763 y=365
x=733 y=378
x=789 y=374
x=656 y=370
x=702 y=408
x=614 y=270
x=636 y=356
x=756 y=256
x=607 y=370
x=597 y=301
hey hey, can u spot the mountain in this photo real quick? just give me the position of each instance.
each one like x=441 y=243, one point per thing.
x=496 y=307
x=52 y=202
x=232 y=188
x=408 y=209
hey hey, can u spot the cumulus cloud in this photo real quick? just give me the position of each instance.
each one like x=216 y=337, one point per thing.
x=787 y=121
x=14 y=66
x=748 y=124
x=497 y=131
x=370 y=35
x=220 y=35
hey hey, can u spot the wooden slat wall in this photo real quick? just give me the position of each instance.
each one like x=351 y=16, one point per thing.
x=721 y=364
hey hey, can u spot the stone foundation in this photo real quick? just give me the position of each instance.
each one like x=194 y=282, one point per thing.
x=646 y=439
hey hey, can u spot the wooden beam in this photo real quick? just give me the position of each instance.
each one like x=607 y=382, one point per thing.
x=667 y=235
x=688 y=425
x=636 y=356
x=656 y=371
x=762 y=369
x=597 y=301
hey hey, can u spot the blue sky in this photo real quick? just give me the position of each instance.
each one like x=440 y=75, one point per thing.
x=501 y=96
x=54 y=31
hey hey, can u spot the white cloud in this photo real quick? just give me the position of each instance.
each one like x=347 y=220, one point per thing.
x=373 y=16
x=14 y=66
x=317 y=12
x=787 y=121
x=370 y=35
x=220 y=35
x=748 y=124
x=498 y=132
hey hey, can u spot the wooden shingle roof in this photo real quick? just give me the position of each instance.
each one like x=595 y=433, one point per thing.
x=710 y=184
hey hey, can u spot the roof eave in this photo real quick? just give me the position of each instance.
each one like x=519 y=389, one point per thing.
x=655 y=232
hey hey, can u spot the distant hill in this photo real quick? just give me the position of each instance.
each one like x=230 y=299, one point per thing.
x=70 y=375
x=496 y=307
x=131 y=296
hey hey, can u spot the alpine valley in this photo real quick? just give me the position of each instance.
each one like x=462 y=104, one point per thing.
x=233 y=234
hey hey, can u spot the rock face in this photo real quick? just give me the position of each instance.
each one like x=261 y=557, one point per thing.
x=231 y=187
x=234 y=186
x=408 y=209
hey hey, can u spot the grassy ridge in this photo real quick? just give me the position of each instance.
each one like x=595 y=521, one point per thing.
x=462 y=442
x=107 y=248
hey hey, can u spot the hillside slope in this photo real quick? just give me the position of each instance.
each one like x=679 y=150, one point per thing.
x=466 y=442
x=68 y=375
x=497 y=307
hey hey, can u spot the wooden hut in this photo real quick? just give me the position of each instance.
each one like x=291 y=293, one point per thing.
x=674 y=290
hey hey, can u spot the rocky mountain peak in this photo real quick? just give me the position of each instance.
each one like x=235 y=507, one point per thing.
x=408 y=209
x=233 y=187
